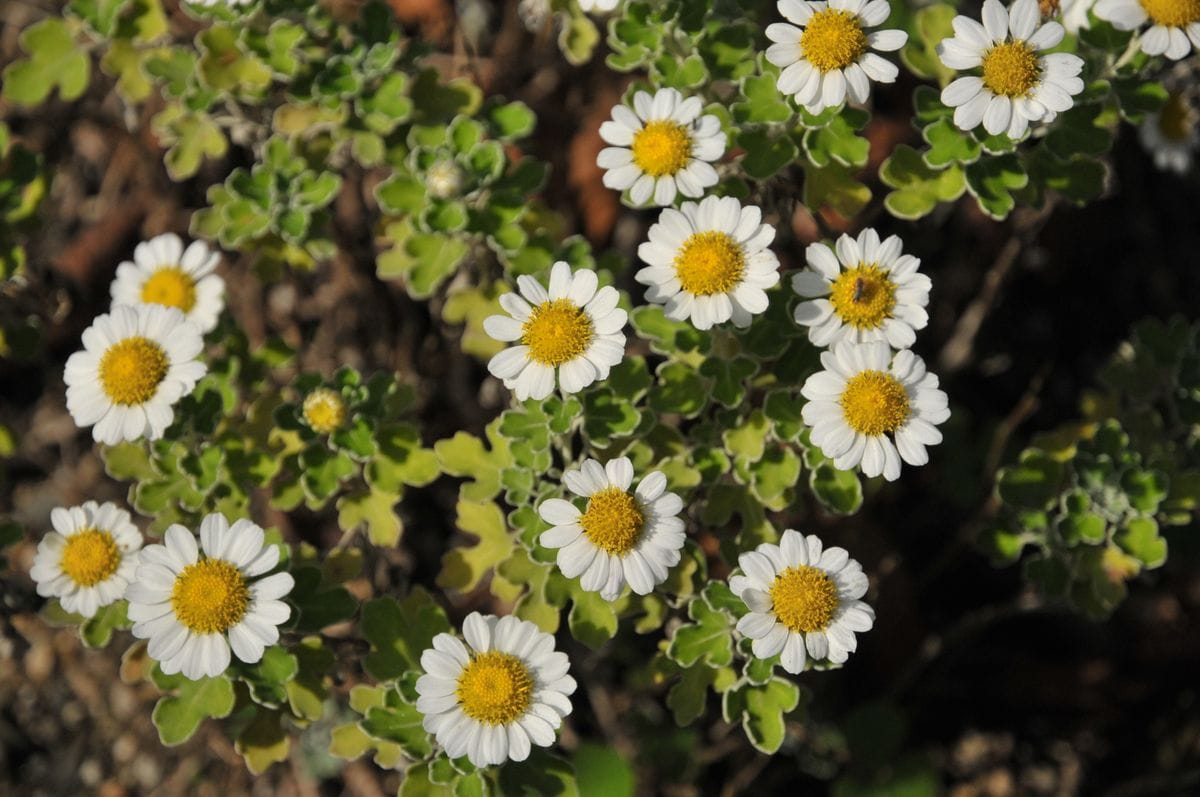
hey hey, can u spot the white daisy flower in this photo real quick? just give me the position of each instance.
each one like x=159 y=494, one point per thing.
x=1074 y=14
x=709 y=262
x=494 y=700
x=1017 y=84
x=1172 y=134
x=163 y=273
x=194 y=607
x=89 y=558
x=804 y=602
x=597 y=6
x=135 y=364
x=621 y=536
x=863 y=396
x=661 y=146
x=572 y=329
x=1174 y=24
x=868 y=291
x=828 y=57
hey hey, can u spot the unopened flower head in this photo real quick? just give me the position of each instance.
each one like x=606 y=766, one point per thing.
x=862 y=290
x=193 y=603
x=324 y=410
x=871 y=409
x=1018 y=82
x=495 y=697
x=1172 y=134
x=89 y=558
x=570 y=332
x=137 y=361
x=444 y=179
x=1172 y=27
x=622 y=536
x=708 y=262
x=660 y=147
x=164 y=273
x=826 y=54
x=804 y=600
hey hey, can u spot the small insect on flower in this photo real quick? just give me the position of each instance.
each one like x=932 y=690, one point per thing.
x=136 y=363
x=1172 y=134
x=862 y=290
x=89 y=558
x=1174 y=24
x=571 y=330
x=621 y=536
x=195 y=603
x=1019 y=82
x=163 y=273
x=804 y=601
x=871 y=409
x=660 y=147
x=709 y=262
x=494 y=700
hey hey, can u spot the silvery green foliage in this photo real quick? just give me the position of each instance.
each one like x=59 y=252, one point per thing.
x=305 y=98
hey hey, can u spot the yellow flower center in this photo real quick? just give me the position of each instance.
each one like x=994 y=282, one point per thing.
x=324 y=411
x=131 y=370
x=1011 y=69
x=863 y=297
x=874 y=402
x=170 y=286
x=1172 y=13
x=613 y=521
x=661 y=148
x=805 y=598
x=833 y=39
x=709 y=263
x=90 y=557
x=210 y=596
x=1175 y=119
x=495 y=688
x=557 y=331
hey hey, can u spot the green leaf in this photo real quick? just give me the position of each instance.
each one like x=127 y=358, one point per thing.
x=763 y=104
x=835 y=187
x=688 y=695
x=400 y=632
x=1146 y=489
x=398 y=722
x=684 y=74
x=423 y=259
x=319 y=604
x=992 y=180
x=465 y=455
x=1032 y=483
x=592 y=620
x=708 y=639
x=177 y=716
x=97 y=631
x=761 y=710
x=838 y=142
x=1140 y=539
x=919 y=54
x=190 y=139
x=603 y=772
x=577 y=39
x=543 y=774
x=948 y=144
x=918 y=188
x=464 y=567
x=512 y=121
x=55 y=62
x=263 y=742
x=373 y=510
x=679 y=389
x=765 y=155
x=226 y=65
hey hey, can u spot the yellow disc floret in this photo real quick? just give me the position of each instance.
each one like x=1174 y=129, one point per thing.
x=132 y=369
x=495 y=688
x=863 y=297
x=833 y=39
x=804 y=598
x=210 y=596
x=1175 y=120
x=324 y=410
x=709 y=263
x=613 y=521
x=170 y=286
x=557 y=331
x=1172 y=13
x=1011 y=69
x=874 y=402
x=91 y=556
x=662 y=148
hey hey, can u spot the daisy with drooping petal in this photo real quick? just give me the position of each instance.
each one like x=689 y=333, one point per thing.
x=195 y=603
x=709 y=262
x=89 y=558
x=804 y=601
x=1174 y=24
x=572 y=330
x=865 y=290
x=163 y=273
x=871 y=409
x=1171 y=134
x=621 y=536
x=660 y=147
x=135 y=364
x=494 y=698
x=828 y=57
x=1017 y=84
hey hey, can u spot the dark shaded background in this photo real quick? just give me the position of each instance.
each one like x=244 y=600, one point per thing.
x=966 y=670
